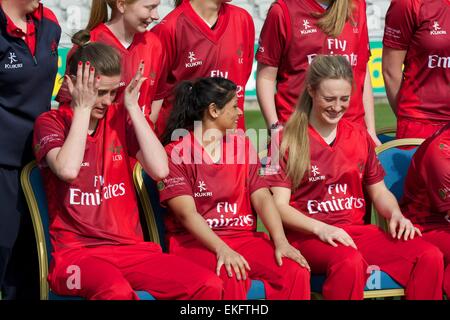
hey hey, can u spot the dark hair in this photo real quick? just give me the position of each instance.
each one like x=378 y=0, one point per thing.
x=192 y=99
x=105 y=59
x=177 y=2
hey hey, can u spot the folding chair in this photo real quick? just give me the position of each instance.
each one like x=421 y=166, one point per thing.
x=33 y=189
x=395 y=157
x=154 y=216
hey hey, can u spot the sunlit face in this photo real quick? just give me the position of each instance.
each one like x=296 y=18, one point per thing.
x=229 y=115
x=106 y=94
x=140 y=14
x=330 y=101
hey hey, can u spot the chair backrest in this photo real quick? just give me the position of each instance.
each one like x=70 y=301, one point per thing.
x=149 y=197
x=395 y=157
x=386 y=134
x=33 y=188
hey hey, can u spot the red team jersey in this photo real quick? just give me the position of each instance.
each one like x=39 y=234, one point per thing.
x=427 y=187
x=290 y=39
x=145 y=46
x=221 y=190
x=194 y=50
x=99 y=207
x=422 y=28
x=332 y=190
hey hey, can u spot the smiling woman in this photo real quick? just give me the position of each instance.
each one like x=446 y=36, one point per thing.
x=126 y=31
x=327 y=164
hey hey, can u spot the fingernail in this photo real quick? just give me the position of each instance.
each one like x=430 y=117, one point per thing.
x=88 y=63
x=98 y=77
x=92 y=69
x=80 y=63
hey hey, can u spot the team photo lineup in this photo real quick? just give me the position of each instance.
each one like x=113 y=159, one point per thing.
x=145 y=171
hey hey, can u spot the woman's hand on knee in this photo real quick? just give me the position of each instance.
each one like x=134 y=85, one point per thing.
x=331 y=234
x=233 y=262
x=285 y=249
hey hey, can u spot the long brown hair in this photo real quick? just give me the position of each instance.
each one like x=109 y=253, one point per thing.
x=99 y=12
x=332 y=21
x=295 y=134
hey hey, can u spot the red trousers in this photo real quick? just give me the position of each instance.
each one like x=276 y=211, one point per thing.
x=441 y=239
x=290 y=281
x=407 y=128
x=114 y=272
x=415 y=264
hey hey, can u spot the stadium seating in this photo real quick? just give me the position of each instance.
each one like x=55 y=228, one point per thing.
x=154 y=214
x=33 y=189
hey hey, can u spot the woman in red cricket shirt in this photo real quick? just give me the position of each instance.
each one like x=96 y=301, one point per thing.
x=204 y=38
x=214 y=191
x=293 y=34
x=417 y=35
x=83 y=151
x=325 y=162
x=126 y=31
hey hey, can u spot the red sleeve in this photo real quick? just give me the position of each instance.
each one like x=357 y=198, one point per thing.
x=251 y=46
x=133 y=146
x=49 y=133
x=373 y=172
x=273 y=38
x=167 y=38
x=159 y=77
x=364 y=48
x=177 y=183
x=256 y=180
x=435 y=171
x=400 y=23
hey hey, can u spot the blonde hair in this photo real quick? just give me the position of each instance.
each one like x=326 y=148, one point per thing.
x=332 y=21
x=99 y=12
x=295 y=141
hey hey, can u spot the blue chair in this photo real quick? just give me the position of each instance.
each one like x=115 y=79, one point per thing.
x=386 y=134
x=154 y=216
x=33 y=189
x=395 y=157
